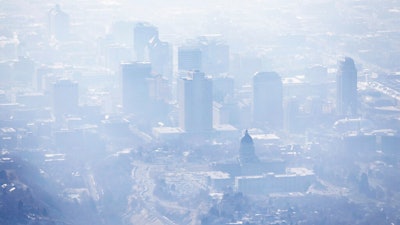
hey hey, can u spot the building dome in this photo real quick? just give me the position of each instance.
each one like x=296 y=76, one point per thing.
x=246 y=150
x=246 y=139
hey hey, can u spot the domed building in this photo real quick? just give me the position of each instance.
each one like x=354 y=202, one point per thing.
x=250 y=175
x=247 y=151
x=247 y=162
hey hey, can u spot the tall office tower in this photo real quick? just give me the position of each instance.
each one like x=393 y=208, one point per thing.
x=346 y=88
x=189 y=58
x=160 y=53
x=291 y=115
x=267 y=100
x=207 y=53
x=115 y=54
x=40 y=74
x=143 y=33
x=65 y=98
x=243 y=67
x=58 y=23
x=223 y=88
x=215 y=54
x=195 y=103
x=135 y=87
x=23 y=70
x=247 y=151
x=160 y=89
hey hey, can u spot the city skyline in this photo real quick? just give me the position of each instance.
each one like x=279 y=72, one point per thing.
x=122 y=112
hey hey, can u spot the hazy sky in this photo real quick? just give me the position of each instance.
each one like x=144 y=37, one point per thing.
x=289 y=29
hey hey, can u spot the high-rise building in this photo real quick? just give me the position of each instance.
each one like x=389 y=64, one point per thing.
x=195 y=103
x=243 y=67
x=267 y=100
x=159 y=89
x=189 y=58
x=160 y=54
x=223 y=88
x=143 y=33
x=346 y=88
x=207 y=53
x=135 y=87
x=65 y=98
x=215 y=54
x=291 y=114
x=24 y=70
x=58 y=23
x=114 y=54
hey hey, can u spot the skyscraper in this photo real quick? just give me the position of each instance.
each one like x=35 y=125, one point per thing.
x=135 y=87
x=207 y=53
x=189 y=58
x=267 y=100
x=160 y=54
x=291 y=120
x=65 y=98
x=58 y=23
x=24 y=70
x=143 y=33
x=195 y=103
x=215 y=54
x=346 y=88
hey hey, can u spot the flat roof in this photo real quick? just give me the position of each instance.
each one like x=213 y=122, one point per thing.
x=218 y=175
x=168 y=130
x=224 y=127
